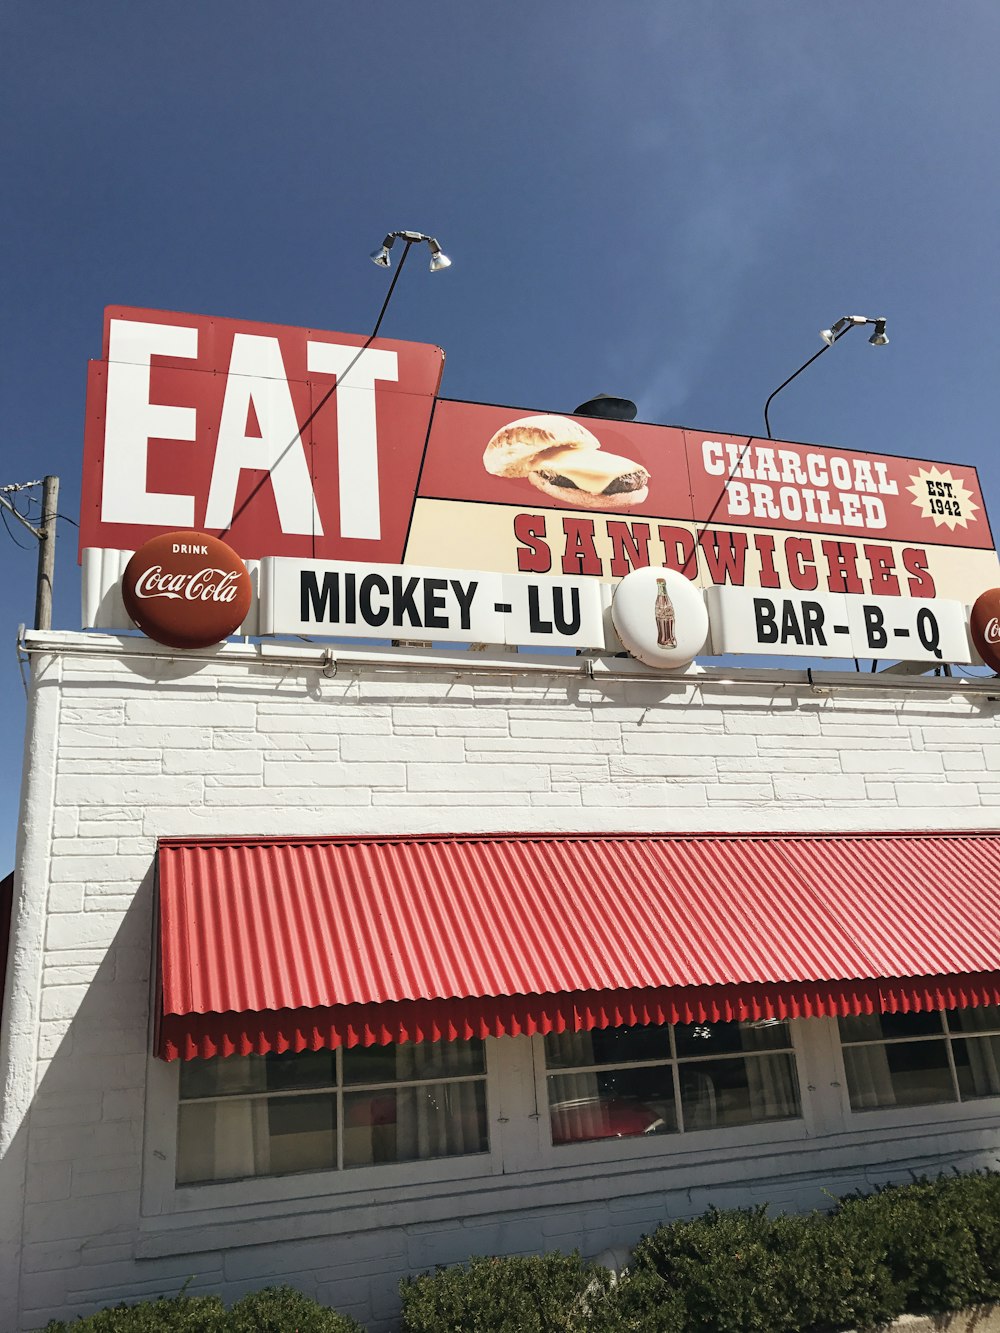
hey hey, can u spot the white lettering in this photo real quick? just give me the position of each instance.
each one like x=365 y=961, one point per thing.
x=840 y=473
x=763 y=502
x=257 y=377
x=711 y=458
x=357 y=432
x=791 y=468
x=816 y=467
x=739 y=498
x=132 y=421
x=874 y=511
x=885 y=486
x=204 y=585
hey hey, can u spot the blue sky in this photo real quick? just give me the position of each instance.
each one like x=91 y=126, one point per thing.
x=659 y=199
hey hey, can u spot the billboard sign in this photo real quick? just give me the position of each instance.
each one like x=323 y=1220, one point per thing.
x=324 y=598
x=309 y=445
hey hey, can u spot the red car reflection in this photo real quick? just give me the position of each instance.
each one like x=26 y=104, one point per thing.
x=586 y=1118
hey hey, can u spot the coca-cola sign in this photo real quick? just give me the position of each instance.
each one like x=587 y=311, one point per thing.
x=186 y=589
x=984 y=624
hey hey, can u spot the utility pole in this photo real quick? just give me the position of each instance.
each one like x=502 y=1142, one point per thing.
x=46 y=553
x=45 y=535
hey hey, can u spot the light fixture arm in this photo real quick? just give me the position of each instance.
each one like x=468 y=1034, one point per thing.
x=829 y=336
x=388 y=295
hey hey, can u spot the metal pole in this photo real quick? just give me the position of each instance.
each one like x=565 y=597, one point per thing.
x=46 y=553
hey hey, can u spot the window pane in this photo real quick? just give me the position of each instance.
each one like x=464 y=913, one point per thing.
x=984 y=1018
x=720 y=1093
x=412 y=1060
x=611 y=1103
x=255 y=1136
x=303 y=1133
x=311 y=1069
x=977 y=1063
x=909 y=1073
x=880 y=1027
x=223 y=1077
x=606 y=1046
x=726 y=1038
x=413 y=1124
x=234 y=1075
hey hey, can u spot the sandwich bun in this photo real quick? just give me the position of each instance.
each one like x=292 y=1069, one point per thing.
x=517 y=449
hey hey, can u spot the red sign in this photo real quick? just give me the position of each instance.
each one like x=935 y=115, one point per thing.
x=186 y=589
x=984 y=623
x=283 y=441
x=502 y=456
x=294 y=442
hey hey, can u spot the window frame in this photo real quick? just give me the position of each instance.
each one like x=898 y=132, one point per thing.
x=924 y=1112
x=339 y=1091
x=679 y=1144
x=163 y=1195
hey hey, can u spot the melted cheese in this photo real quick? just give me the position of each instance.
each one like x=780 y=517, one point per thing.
x=590 y=470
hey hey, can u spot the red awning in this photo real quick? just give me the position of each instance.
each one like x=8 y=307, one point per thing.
x=276 y=944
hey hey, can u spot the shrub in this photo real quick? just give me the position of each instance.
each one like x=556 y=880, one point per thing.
x=274 y=1310
x=552 y=1293
x=174 y=1314
x=282 y=1309
x=641 y=1303
x=938 y=1240
x=727 y=1267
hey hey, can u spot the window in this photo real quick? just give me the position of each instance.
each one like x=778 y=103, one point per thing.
x=921 y=1058
x=330 y=1110
x=626 y=1081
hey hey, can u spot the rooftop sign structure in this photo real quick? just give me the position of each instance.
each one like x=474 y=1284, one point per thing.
x=307 y=445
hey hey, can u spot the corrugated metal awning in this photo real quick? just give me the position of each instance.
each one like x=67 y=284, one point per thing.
x=275 y=944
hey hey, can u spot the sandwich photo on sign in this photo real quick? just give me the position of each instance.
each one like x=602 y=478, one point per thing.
x=563 y=459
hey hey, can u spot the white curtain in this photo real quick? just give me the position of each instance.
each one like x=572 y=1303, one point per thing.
x=772 y=1087
x=984 y=1064
x=438 y=1120
x=868 y=1078
x=223 y=1140
x=575 y=1109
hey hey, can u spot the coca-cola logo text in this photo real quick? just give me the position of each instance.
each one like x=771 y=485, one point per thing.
x=207 y=585
x=984 y=626
x=186 y=590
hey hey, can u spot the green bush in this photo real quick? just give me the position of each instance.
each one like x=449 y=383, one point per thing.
x=174 y=1314
x=552 y=1293
x=281 y=1310
x=274 y=1310
x=939 y=1241
x=729 y=1268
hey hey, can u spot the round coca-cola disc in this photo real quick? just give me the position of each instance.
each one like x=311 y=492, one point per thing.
x=186 y=589
x=984 y=624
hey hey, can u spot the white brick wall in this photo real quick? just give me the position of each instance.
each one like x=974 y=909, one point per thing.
x=124 y=751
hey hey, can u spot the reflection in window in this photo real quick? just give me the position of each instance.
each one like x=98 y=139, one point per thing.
x=921 y=1058
x=276 y=1114
x=629 y=1081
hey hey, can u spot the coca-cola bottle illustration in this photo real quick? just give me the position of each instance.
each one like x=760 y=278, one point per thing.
x=664 y=612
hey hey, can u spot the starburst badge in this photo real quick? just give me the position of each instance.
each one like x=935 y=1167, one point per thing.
x=942 y=497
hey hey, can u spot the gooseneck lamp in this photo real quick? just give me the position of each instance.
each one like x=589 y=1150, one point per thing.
x=830 y=336
x=381 y=257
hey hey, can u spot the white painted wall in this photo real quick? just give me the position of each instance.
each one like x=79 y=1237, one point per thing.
x=122 y=750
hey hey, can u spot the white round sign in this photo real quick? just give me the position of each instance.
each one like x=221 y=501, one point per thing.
x=660 y=617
